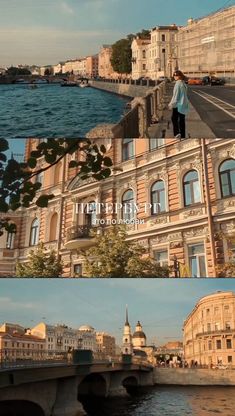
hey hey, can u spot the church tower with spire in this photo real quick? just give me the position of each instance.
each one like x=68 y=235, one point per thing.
x=127 y=347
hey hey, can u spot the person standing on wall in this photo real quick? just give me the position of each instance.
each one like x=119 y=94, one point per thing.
x=179 y=105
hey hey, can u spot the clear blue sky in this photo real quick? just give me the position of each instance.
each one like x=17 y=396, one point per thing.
x=47 y=31
x=16 y=146
x=161 y=305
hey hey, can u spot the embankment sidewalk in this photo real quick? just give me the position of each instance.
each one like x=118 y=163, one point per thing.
x=195 y=127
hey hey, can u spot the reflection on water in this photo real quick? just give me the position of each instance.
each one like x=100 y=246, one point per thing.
x=52 y=111
x=168 y=401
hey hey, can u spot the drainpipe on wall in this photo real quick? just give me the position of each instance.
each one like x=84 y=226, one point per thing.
x=61 y=207
x=208 y=205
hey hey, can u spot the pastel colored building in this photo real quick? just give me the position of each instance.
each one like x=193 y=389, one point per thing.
x=106 y=343
x=56 y=337
x=105 y=67
x=157 y=55
x=182 y=192
x=92 y=66
x=17 y=343
x=139 y=49
x=209 y=331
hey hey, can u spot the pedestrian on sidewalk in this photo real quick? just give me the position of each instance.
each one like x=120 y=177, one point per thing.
x=179 y=105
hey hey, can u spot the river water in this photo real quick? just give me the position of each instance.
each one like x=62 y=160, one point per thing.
x=169 y=401
x=53 y=111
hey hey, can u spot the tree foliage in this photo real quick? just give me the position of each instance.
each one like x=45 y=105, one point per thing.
x=48 y=71
x=40 y=263
x=227 y=269
x=114 y=256
x=18 y=180
x=14 y=71
x=122 y=54
x=145 y=33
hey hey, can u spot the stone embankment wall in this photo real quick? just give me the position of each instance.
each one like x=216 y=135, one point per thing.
x=194 y=377
x=121 y=89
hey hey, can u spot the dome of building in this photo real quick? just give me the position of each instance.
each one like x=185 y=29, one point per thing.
x=138 y=331
x=86 y=328
x=139 y=334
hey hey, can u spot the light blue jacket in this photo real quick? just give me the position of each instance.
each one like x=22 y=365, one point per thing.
x=180 y=99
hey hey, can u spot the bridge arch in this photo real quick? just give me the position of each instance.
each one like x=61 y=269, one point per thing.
x=130 y=383
x=20 y=408
x=93 y=385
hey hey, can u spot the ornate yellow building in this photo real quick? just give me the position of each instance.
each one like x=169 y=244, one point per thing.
x=209 y=330
x=181 y=193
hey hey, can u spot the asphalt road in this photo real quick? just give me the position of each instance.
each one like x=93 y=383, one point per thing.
x=216 y=107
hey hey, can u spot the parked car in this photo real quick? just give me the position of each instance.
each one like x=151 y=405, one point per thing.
x=217 y=81
x=221 y=367
x=206 y=80
x=162 y=78
x=195 y=81
x=144 y=79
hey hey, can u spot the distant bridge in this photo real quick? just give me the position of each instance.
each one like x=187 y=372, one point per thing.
x=55 y=389
x=12 y=79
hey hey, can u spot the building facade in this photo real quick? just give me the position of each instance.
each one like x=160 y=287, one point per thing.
x=207 y=45
x=105 y=68
x=106 y=343
x=57 y=337
x=209 y=331
x=92 y=66
x=157 y=55
x=182 y=194
x=136 y=344
x=16 y=343
x=139 y=48
x=87 y=336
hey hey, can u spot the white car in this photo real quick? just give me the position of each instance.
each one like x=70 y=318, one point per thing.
x=221 y=367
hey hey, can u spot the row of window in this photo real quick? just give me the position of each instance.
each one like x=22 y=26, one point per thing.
x=216 y=309
x=217 y=326
x=191 y=193
x=219 y=344
x=128 y=147
x=21 y=345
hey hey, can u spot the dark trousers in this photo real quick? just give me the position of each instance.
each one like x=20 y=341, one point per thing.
x=178 y=120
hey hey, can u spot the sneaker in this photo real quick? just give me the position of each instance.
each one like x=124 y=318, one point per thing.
x=178 y=136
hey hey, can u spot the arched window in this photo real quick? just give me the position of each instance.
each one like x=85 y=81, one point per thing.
x=90 y=214
x=34 y=233
x=53 y=227
x=127 y=149
x=192 y=193
x=158 y=198
x=57 y=174
x=128 y=205
x=227 y=178
x=10 y=240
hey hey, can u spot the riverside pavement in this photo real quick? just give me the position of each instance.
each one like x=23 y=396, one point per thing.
x=195 y=127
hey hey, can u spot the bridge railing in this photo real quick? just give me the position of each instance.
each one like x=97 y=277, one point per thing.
x=13 y=358
x=22 y=358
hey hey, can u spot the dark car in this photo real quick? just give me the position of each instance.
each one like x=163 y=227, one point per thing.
x=217 y=81
x=206 y=80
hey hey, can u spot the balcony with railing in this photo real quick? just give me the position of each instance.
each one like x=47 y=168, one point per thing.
x=79 y=237
x=216 y=332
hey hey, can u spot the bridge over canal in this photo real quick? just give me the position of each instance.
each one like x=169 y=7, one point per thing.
x=57 y=388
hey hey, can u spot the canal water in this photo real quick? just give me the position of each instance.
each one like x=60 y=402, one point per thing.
x=55 y=111
x=169 y=401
